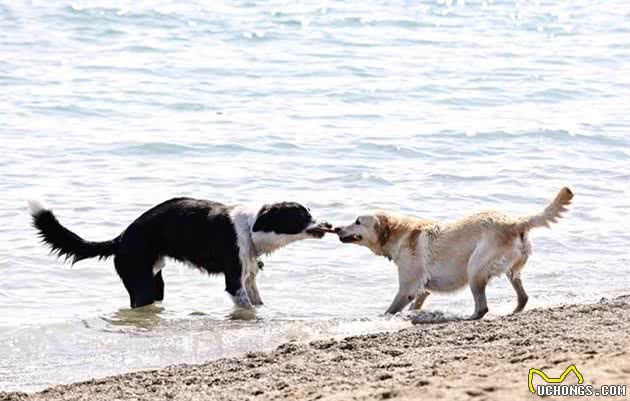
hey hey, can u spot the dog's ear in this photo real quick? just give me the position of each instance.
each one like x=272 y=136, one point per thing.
x=383 y=229
x=282 y=218
x=263 y=220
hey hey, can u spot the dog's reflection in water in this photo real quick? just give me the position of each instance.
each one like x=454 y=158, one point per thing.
x=149 y=317
x=239 y=313
x=144 y=318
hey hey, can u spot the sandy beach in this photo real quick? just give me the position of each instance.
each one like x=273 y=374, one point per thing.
x=477 y=360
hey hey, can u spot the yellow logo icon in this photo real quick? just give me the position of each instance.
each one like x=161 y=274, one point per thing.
x=548 y=379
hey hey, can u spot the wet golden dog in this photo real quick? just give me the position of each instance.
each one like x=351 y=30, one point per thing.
x=439 y=257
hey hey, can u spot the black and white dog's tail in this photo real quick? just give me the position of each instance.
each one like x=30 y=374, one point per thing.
x=63 y=241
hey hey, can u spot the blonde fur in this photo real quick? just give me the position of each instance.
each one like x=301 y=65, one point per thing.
x=443 y=257
x=551 y=214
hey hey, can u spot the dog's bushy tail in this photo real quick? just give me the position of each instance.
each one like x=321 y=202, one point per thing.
x=63 y=241
x=550 y=214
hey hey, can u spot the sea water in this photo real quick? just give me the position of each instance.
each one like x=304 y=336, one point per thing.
x=434 y=109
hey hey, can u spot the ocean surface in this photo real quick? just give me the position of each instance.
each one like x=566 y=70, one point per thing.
x=435 y=109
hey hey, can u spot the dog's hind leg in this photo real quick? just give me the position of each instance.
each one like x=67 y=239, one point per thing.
x=158 y=286
x=478 y=276
x=478 y=289
x=514 y=275
x=137 y=276
x=521 y=295
x=144 y=292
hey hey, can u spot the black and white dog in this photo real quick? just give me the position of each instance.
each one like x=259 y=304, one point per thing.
x=208 y=235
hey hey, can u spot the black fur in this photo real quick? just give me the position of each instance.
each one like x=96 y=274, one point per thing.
x=66 y=243
x=190 y=230
x=283 y=218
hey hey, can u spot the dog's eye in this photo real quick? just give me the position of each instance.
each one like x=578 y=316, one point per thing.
x=358 y=223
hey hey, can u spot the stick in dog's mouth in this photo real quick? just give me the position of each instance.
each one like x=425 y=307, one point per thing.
x=318 y=230
x=346 y=239
x=350 y=238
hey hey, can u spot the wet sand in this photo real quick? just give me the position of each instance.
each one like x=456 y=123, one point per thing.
x=464 y=360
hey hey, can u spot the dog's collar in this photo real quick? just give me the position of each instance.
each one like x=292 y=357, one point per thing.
x=259 y=263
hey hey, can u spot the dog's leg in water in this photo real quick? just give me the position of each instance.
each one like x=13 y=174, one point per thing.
x=137 y=276
x=142 y=291
x=421 y=296
x=234 y=285
x=158 y=286
x=252 y=289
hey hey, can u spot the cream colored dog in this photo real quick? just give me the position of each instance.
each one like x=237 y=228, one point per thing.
x=439 y=257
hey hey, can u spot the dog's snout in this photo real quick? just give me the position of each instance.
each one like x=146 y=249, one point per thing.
x=337 y=229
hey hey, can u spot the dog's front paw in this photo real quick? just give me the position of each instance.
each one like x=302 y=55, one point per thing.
x=479 y=314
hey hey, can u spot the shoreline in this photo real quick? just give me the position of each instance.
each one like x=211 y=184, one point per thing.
x=486 y=359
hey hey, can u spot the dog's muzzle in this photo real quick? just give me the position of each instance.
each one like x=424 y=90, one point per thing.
x=347 y=238
x=318 y=230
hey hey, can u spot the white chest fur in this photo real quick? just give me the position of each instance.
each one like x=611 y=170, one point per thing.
x=243 y=219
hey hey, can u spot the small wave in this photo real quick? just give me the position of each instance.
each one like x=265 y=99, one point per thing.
x=111 y=32
x=282 y=145
x=185 y=106
x=393 y=22
x=389 y=149
x=358 y=21
x=73 y=110
x=358 y=71
x=168 y=148
x=153 y=148
x=555 y=95
x=444 y=177
x=502 y=135
x=140 y=49
x=362 y=178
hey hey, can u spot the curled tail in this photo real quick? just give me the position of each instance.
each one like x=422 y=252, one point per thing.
x=65 y=242
x=551 y=214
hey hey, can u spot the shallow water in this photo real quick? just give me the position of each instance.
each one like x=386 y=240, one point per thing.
x=433 y=109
